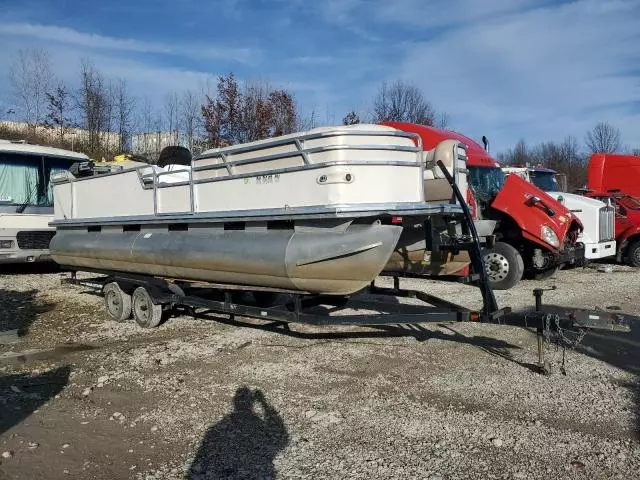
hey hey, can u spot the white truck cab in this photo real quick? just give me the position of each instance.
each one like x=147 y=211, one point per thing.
x=597 y=217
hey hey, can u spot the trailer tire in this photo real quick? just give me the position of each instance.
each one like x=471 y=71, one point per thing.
x=146 y=313
x=117 y=302
x=504 y=266
x=633 y=254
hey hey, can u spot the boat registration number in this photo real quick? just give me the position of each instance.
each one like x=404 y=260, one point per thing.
x=263 y=179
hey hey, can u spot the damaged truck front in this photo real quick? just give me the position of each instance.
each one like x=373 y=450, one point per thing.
x=535 y=233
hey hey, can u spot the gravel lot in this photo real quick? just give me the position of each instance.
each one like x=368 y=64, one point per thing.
x=85 y=397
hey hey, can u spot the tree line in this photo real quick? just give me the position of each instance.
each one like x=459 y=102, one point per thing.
x=228 y=113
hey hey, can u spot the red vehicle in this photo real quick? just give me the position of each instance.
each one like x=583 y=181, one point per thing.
x=616 y=176
x=614 y=172
x=535 y=234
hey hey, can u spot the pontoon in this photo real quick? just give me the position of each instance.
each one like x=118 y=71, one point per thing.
x=321 y=211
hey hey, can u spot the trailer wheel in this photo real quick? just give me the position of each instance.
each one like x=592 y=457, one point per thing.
x=633 y=254
x=504 y=266
x=117 y=302
x=146 y=313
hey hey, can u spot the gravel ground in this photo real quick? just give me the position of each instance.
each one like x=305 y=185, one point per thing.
x=85 y=397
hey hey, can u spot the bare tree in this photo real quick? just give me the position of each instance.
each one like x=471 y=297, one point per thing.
x=171 y=106
x=189 y=116
x=603 y=138
x=31 y=78
x=59 y=108
x=402 y=102
x=442 y=120
x=94 y=105
x=124 y=106
x=351 y=118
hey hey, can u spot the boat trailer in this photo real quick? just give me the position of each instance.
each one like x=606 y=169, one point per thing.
x=150 y=300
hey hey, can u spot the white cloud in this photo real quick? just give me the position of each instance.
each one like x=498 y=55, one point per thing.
x=440 y=13
x=69 y=36
x=539 y=75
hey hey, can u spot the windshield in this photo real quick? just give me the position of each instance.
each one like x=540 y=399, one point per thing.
x=25 y=179
x=485 y=182
x=545 y=181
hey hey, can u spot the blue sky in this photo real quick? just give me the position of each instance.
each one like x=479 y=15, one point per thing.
x=508 y=69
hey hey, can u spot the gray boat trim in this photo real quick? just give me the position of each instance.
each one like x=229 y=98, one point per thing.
x=316 y=212
x=332 y=256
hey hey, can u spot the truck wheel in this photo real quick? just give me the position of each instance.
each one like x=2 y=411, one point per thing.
x=503 y=265
x=633 y=254
x=146 y=313
x=117 y=302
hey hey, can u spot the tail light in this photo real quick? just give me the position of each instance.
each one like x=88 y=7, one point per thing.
x=396 y=220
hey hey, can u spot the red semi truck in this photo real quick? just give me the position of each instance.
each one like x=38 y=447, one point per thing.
x=617 y=177
x=535 y=234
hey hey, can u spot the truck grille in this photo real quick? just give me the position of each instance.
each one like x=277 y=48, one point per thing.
x=607 y=224
x=34 y=240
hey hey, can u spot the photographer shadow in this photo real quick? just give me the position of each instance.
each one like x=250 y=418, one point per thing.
x=244 y=443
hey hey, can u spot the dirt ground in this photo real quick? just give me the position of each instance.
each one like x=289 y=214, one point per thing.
x=84 y=397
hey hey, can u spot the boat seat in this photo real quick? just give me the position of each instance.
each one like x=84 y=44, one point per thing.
x=453 y=155
x=180 y=173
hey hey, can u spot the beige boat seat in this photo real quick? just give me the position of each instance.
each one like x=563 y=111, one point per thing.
x=170 y=174
x=453 y=155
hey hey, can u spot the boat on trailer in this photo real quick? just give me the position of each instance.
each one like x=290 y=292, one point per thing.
x=309 y=218
x=321 y=211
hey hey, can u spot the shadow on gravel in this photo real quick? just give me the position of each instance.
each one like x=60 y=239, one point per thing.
x=39 y=268
x=619 y=349
x=622 y=350
x=21 y=394
x=419 y=332
x=19 y=309
x=244 y=443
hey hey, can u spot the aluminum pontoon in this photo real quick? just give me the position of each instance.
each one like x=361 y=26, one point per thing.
x=321 y=211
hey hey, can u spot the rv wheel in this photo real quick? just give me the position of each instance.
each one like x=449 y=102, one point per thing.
x=117 y=302
x=146 y=313
x=503 y=265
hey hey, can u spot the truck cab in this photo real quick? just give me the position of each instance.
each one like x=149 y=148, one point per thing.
x=535 y=233
x=596 y=215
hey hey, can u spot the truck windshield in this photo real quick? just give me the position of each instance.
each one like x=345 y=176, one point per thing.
x=25 y=178
x=545 y=181
x=485 y=182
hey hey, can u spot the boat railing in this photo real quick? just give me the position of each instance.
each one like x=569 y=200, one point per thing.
x=153 y=179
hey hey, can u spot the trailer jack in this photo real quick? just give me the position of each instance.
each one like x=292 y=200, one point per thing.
x=575 y=320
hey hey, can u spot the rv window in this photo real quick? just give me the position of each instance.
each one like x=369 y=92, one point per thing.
x=25 y=180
